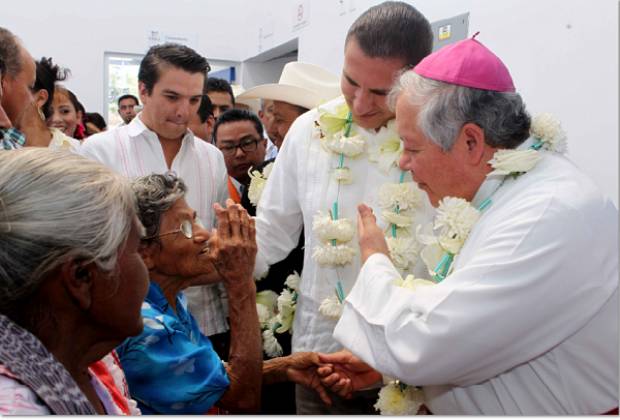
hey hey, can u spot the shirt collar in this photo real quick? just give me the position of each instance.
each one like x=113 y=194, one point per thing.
x=137 y=127
x=156 y=296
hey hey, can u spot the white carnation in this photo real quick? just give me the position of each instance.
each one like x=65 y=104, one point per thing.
x=343 y=175
x=548 y=129
x=396 y=402
x=508 y=161
x=401 y=219
x=257 y=185
x=349 y=146
x=386 y=151
x=326 y=229
x=455 y=219
x=403 y=252
x=292 y=281
x=270 y=344
x=329 y=255
x=405 y=195
x=331 y=307
x=286 y=311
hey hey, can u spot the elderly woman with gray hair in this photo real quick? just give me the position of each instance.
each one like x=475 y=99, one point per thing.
x=171 y=367
x=71 y=280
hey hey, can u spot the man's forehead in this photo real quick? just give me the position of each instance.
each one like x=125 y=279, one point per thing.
x=180 y=82
x=219 y=98
x=236 y=130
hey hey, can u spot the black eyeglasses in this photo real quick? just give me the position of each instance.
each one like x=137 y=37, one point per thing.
x=248 y=145
x=186 y=228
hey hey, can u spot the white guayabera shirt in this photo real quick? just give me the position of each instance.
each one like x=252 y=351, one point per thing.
x=301 y=184
x=134 y=151
x=526 y=324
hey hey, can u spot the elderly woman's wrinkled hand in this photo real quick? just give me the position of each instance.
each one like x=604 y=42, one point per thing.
x=302 y=369
x=233 y=243
x=343 y=373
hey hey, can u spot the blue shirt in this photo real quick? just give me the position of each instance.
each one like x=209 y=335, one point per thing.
x=171 y=368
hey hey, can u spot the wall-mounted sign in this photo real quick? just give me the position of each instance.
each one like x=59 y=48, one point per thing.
x=301 y=14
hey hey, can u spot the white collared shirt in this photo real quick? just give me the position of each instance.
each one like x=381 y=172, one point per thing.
x=301 y=184
x=526 y=324
x=134 y=150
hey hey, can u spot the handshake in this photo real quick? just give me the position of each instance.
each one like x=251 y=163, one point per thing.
x=341 y=373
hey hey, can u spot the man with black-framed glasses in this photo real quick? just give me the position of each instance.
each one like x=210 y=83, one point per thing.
x=238 y=135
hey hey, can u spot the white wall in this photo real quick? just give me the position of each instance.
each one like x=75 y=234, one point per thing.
x=563 y=54
x=76 y=33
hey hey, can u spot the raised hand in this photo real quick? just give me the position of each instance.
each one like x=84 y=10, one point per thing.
x=343 y=373
x=233 y=243
x=371 y=238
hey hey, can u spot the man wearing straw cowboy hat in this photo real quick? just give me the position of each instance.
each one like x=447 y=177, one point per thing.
x=302 y=86
x=335 y=156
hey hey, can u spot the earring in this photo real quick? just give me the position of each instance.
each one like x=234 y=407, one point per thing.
x=41 y=114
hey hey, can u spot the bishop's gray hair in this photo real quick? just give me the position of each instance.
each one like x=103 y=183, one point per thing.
x=445 y=108
x=155 y=194
x=56 y=206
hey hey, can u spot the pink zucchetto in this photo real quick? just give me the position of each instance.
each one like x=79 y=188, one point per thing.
x=467 y=63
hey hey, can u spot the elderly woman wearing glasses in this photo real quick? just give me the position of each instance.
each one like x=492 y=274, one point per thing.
x=171 y=367
x=71 y=280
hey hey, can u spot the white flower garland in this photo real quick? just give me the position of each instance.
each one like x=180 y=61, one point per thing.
x=388 y=148
x=277 y=313
x=398 y=201
x=257 y=183
x=397 y=399
x=549 y=135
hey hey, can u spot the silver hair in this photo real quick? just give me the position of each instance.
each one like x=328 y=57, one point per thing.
x=155 y=194
x=54 y=207
x=445 y=108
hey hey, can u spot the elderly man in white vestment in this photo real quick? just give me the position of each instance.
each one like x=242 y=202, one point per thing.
x=334 y=157
x=521 y=314
x=171 y=80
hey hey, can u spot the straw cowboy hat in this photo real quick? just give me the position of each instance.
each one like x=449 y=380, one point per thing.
x=302 y=84
x=253 y=104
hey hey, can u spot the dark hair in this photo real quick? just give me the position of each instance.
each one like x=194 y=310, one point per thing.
x=175 y=55
x=238 y=114
x=10 y=53
x=48 y=74
x=127 y=96
x=393 y=30
x=79 y=131
x=205 y=110
x=95 y=118
x=220 y=85
x=2 y=66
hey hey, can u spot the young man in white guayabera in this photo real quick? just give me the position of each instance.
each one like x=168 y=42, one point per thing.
x=521 y=315
x=171 y=80
x=334 y=157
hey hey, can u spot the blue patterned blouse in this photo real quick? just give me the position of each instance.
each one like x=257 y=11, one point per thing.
x=171 y=368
